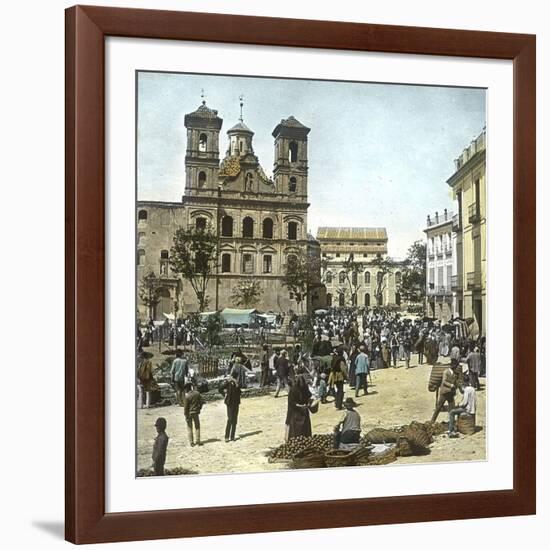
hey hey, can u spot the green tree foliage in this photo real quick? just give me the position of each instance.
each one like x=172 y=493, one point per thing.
x=383 y=267
x=247 y=293
x=193 y=257
x=302 y=274
x=148 y=292
x=413 y=276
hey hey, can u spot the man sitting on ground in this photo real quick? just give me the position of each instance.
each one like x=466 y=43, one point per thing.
x=348 y=430
x=467 y=405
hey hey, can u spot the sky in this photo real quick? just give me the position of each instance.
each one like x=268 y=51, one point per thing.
x=379 y=154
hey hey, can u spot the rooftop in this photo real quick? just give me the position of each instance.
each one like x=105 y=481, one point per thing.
x=352 y=233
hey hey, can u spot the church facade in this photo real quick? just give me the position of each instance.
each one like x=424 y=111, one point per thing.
x=260 y=222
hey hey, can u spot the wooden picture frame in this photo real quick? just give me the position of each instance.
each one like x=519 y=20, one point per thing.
x=86 y=30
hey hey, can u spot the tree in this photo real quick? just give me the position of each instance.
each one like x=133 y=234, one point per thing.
x=413 y=277
x=352 y=271
x=148 y=292
x=383 y=266
x=247 y=293
x=193 y=256
x=302 y=274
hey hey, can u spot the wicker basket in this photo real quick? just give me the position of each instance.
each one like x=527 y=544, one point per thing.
x=436 y=375
x=403 y=447
x=419 y=438
x=313 y=406
x=466 y=424
x=380 y=435
x=309 y=458
x=337 y=458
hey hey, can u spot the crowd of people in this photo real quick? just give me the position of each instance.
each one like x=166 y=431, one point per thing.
x=347 y=346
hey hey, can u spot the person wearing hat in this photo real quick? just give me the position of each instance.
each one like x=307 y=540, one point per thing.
x=322 y=389
x=178 y=375
x=159 y=447
x=145 y=377
x=232 y=398
x=348 y=430
x=283 y=370
x=474 y=366
x=361 y=371
x=447 y=390
x=191 y=409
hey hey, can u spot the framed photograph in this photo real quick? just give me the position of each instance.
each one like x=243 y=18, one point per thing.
x=300 y=274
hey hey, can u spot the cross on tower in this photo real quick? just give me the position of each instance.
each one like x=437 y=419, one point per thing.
x=203 y=96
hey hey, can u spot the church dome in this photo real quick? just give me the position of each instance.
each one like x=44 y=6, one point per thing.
x=203 y=117
x=240 y=127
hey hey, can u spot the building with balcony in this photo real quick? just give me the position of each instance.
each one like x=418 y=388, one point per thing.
x=440 y=267
x=468 y=184
x=348 y=272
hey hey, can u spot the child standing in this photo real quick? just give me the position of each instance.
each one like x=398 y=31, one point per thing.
x=160 y=446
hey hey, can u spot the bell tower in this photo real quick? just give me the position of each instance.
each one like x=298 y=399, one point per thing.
x=202 y=157
x=290 y=168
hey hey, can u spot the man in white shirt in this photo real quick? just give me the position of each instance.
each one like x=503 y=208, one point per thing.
x=468 y=405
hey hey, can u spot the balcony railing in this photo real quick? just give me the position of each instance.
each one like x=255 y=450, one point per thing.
x=473 y=213
x=456 y=223
x=438 y=290
x=473 y=280
x=456 y=282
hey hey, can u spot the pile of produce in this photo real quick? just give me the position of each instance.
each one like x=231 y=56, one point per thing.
x=297 y=446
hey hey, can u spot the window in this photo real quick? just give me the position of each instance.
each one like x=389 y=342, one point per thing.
x=398 y=298
x=226 y=263
x=292 y=231
x=202 y=179
x=202 y=143
x=249 y=181
x=398 y=278
x=341 y=299
x=141 y=257
x=164 y=263
x=367 y=300
x=292 y=185
x=248 y=264
x=342 y=277
x=200 y=224
x=329 y=277
x=142 y=215
x=329 y=300
x=248 y=227
x=379 y=277
x=267 y=228
x=367 y=277
x=337 y=254
x=240 y=146
x=354 y=279
x=293 y=151
x=267 y=263
x=141 y=239
x=227 y=226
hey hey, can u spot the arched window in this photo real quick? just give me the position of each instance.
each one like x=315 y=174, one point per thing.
x=202 y=179
x=226 y=263
x=200 y=224
x=398 y=278
x=398 y=298
x=341 y=299
x=141 y=257
x=379 y=277
x=141 y=239
x=342 y=277
x=203 y=140
x=292 y=231
x=367 y=299
x=367 y=277
x=142 y=215
x=329 y=277
x=248 y=227
x=292 y=185
x=267 y=228
x=354 y=279
x=329 y=300
x=227 y=226
x=293 y=151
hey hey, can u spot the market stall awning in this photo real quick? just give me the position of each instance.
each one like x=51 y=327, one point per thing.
x=231 y=316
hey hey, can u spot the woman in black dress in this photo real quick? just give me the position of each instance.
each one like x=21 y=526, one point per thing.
x=297 y=416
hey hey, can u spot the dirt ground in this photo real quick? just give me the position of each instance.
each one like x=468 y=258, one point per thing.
x=398 y=397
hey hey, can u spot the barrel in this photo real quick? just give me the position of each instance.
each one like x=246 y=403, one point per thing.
x=436 y=375
x=466 y=424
